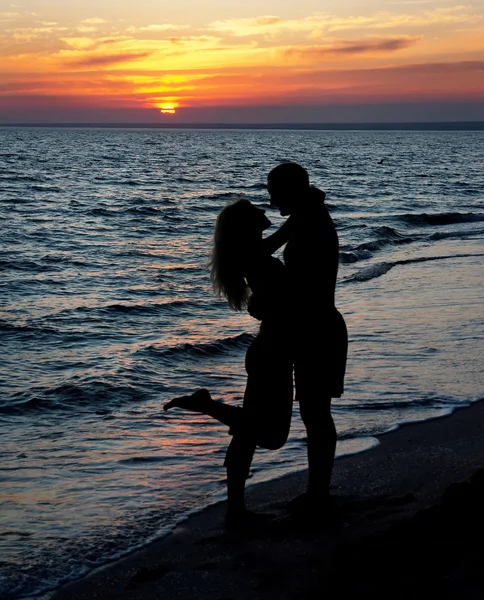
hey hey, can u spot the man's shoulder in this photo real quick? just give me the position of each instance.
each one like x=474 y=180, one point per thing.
x=316 y=194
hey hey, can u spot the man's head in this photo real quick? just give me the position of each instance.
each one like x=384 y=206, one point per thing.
x=287 y=183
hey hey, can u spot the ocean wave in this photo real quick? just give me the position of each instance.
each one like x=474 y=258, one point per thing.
x=195 y=351
x=86 y=396
x=220 y=195
x=22 y=178
x=115 y=181
x=449 y=218
x=140 y=309
x=129 y=182
x=182 y=179
x=57 y=259
x=144 y=210
x=16 y=408
x=410 y=404
x=48 y=335
x=142 y=460
x=46 y=188
x=443 y=235
x=379 y=269
x=255 y=186
x=104 y=212
x=12 y=328
x=385 y=236
x=348 y=225
x=347 y=258
x=25 y=265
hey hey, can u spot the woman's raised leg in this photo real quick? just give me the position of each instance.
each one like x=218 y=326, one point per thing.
x=201 y=401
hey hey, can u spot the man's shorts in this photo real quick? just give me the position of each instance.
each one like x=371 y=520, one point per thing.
x=321 y=348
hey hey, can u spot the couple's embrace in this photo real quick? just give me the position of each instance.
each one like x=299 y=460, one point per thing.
x=301 y=335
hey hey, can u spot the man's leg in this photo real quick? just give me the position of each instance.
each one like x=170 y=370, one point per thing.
x=321 y=445
x=319 y=377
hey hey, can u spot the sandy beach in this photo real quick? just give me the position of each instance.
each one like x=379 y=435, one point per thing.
x=409 y=525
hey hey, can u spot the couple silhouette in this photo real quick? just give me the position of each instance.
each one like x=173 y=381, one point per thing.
x=301 y=343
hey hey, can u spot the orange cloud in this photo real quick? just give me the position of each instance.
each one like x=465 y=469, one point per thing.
x=261 y=21
x=346 y=48
x=108 y=59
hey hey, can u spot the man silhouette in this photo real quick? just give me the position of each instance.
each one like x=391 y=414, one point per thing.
x=320 y=343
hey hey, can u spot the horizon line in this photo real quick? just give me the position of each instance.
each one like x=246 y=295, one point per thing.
x=413 y=125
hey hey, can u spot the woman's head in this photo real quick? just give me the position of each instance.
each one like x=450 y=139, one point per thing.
x=238 y=231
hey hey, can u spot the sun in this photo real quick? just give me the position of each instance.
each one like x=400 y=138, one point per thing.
x=166 y=106
x=168 y=109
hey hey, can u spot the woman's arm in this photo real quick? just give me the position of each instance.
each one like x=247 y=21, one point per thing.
x=277 y=239
x=273 y=242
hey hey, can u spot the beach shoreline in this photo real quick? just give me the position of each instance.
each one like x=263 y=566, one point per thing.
x=410 y=491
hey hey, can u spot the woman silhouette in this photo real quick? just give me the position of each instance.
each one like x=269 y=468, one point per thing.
x=242 y=266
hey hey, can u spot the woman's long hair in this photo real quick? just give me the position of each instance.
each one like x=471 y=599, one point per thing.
x=230 y=245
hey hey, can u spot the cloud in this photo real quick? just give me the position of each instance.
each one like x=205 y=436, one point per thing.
x=461 y=67
x=18 y=86
x=438 y=80
x=38 y=41
x=45 y=38
x=157 y=27
x=404 y=2
x=94 y=21
x=13 y=16
x=8 y=16
x=155 y=31
x=262 y=21
x=250 y=27
x=353 y=47
x=453 y=15
x=108 y=59
x=322 y=23
x=104 y=41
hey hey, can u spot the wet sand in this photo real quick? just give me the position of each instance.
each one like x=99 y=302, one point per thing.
x=409 y=524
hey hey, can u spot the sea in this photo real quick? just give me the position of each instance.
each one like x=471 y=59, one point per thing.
x=107 y=312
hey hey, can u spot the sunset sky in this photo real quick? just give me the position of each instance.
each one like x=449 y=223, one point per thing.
x=274 y=61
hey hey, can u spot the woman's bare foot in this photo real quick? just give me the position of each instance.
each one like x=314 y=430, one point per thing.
x=196 y=401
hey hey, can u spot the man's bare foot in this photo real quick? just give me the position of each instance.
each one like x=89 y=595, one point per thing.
x=309 y=511
x=245 y=519
x=310 y=503
x=196 y=401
